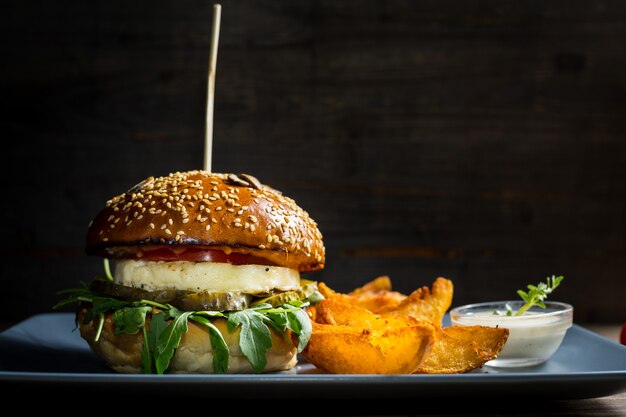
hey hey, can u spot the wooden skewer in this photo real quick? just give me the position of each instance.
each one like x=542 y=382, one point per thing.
x=208 y=134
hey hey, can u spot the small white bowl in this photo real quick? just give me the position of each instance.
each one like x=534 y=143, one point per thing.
x=533 y=336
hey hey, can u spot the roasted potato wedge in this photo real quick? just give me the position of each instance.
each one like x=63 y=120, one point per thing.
x=424 y=304
x=336 y=313
x=370 y=296
x=375 y=330
x=340 y=349
x=382 y=283
x=460 y=349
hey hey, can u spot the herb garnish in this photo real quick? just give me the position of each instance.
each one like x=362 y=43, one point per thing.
x=535 y=295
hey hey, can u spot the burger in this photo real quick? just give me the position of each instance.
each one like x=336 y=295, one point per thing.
x=201 y=275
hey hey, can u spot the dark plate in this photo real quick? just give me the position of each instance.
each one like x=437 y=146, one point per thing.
x=44 y=352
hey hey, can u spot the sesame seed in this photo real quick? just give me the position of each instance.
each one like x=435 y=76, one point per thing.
x=168 y=231
x=152 y=225
x=112 y=226
x=140 y=217
x=105 y=239
x=170 y=221
x=111 y=217
x=269 y=239
x=185 y=220
x=180 y=232
x=214 y=221
x=261 y=246
x=164 y=226
x=230 y=210
x=218 y=208
x=238 y=225
x=208 y=227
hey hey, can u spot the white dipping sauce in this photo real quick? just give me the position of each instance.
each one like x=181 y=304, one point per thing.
x=533 y=336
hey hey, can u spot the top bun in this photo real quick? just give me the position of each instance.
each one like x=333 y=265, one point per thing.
x=209 y=209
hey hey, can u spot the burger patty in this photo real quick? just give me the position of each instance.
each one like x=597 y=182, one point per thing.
x=205 y=276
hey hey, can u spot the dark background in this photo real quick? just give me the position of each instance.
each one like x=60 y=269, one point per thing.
x=482 y=141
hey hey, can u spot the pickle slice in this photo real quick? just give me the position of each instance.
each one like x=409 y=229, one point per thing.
x=277 y=300
x=182 y=299
x=213 y=301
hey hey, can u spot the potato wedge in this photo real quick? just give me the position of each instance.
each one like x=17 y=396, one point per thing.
x=382 y=283
x=424 y=304
x=342 y=349
x=366 y=296
x=337 y=313
x=460 y=349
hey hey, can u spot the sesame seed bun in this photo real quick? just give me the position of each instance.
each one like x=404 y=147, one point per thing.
x=221 y=211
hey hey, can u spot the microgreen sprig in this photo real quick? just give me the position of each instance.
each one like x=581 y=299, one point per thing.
x=536 y=294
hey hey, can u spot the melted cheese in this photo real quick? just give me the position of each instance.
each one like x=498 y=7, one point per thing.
x=209 y=276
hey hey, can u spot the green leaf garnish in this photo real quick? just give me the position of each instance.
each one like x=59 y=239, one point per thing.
x=169 y=340
x=254 y=339
x=536 y=294
x=220 y=348
x=130 y=319
x=158 y=324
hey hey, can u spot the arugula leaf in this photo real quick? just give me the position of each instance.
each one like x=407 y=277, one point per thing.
x=300 y=323
x=220 y=348
x=254 y=339
x=169 y=340
x=158 y=324
x=277 y=320
x=101 y=305
x=295 y=320
x=130 y=319
x=146 y=355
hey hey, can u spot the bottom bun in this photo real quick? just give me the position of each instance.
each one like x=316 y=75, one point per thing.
x=194 y=355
